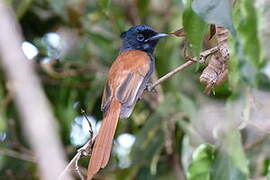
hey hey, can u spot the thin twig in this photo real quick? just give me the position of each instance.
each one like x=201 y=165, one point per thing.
x=254 y=144
x=170 y=74
x=259 y=127
x=83 y=151
x=77 y=168
x=89 y=123
x=15 y=143
x=191 y=60
x=18 y=155
x=206 y=53
x=74 y=159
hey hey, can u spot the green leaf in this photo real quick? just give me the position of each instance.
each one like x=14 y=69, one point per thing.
x=246 y=44
x=233 y=146
x=268 y=175
x=234 y=74
x=231 y=162
x=265 y=168
x=224 y=168
x=247 y=30
x=215 y=12
x=195 y=28
x=225 y=163
x=202 y=160
x=247 y=107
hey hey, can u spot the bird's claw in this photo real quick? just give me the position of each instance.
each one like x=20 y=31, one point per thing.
x=150 y=88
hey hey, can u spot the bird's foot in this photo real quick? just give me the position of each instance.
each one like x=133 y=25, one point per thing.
x=150 y=88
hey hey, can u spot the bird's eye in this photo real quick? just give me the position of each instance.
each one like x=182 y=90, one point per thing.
x=140 y=37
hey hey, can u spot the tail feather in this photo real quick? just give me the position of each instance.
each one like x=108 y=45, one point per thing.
x=103 y=144
x=110 y=139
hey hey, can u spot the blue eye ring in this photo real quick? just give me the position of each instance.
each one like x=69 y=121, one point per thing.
x=140 y=37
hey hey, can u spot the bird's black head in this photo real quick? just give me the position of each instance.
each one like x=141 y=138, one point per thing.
x=141 y=37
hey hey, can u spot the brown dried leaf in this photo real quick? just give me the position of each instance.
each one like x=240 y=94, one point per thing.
x=212 y=31
x=179 y=33
x=217 y=69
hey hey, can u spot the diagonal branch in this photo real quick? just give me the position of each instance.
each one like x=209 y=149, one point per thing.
x=83 y=151
x=170 y=74
x=191 y=60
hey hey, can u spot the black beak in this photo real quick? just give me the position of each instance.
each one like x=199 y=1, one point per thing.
x=156 y=37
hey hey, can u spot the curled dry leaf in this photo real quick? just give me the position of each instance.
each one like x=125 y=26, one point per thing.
x=216 y=71
x=179 y=33
x=212 y=31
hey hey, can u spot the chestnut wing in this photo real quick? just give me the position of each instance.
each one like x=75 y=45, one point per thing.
x=127 y=79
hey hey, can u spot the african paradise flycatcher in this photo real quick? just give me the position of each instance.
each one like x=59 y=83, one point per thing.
x=128 y=77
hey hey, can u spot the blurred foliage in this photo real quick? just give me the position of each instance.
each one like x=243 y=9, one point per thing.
x=215 y=12
x=174 y=138
x=195 y=31
x=202 y=159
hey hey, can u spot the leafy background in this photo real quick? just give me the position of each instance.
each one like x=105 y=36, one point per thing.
x=177 y=133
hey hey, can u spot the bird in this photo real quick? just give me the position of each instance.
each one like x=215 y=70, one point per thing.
x=128 y=77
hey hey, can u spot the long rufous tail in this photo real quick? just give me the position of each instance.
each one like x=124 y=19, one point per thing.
x=103 y=143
